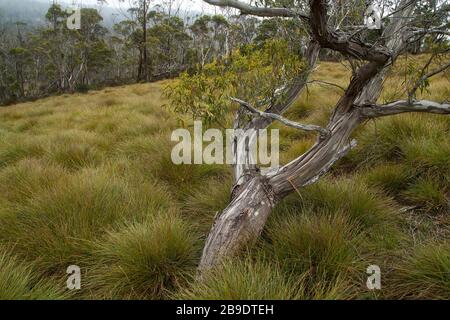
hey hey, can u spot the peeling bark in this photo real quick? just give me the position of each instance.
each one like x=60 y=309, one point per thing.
x=242 y=220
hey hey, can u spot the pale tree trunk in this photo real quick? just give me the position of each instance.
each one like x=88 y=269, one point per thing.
x=256 y=192
x=242 y=220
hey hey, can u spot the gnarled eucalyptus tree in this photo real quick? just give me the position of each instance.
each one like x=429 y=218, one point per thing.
x=256 y=191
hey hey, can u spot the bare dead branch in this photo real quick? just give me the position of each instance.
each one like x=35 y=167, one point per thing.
x=306 y=127
x=258 y=11
x=437 y=30
x=402 y=106
x=339 y=155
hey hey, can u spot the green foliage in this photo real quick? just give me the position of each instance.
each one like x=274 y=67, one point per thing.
x=54 y=58
x=251 y=74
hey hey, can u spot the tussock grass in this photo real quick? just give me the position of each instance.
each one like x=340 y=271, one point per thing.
x=385 y=139
x=422 y=274
x=321 y=245
x=238 y=280
x=391 y=178
x=54 y=227
x=14 y=147
x=258 y=280
x=428 y=155
x=186 y=179
x=26 y=178
x=87 y=179
x=17 y=281
x=365 y=207
x=144 y=260
x=75 y=149
x=203 y=205
x=428 y=195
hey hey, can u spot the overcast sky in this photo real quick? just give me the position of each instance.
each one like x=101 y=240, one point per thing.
x=197 y=5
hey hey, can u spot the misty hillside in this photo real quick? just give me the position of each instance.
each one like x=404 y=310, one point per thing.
x=33 y=12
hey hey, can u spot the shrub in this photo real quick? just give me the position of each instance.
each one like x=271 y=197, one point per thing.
x=82 y=88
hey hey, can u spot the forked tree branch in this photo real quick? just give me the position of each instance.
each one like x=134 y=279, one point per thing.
x=288 y=94
x=339 y=41
x=365 y=86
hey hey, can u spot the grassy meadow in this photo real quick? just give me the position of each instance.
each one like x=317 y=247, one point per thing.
x=87 y=179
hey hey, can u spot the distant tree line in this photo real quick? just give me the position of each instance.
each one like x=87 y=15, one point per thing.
x=148 y=45
x=152 y=43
